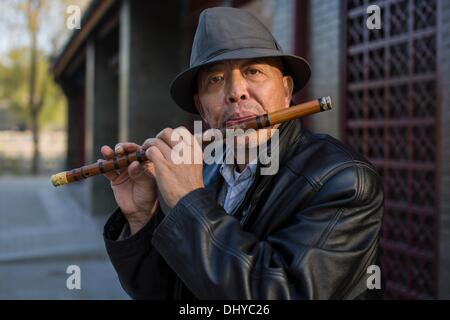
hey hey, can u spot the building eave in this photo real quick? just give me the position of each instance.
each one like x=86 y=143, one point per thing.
x=94 y=13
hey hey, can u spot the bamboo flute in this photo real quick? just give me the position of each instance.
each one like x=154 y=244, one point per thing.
x=258 y=122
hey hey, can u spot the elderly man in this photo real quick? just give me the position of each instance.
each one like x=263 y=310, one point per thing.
x=310 y=231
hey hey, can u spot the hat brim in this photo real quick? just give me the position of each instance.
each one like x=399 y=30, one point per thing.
x=184 y=86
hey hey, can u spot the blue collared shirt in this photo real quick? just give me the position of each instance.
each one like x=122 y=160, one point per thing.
x=237 y=183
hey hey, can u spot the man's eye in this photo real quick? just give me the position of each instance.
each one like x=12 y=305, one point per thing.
x=215 y=79
x=252 y=71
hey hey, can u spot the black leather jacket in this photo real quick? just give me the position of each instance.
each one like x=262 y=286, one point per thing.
x=310 y=232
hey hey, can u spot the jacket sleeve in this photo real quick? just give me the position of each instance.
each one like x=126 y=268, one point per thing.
x=321 y=253
x=142 y=272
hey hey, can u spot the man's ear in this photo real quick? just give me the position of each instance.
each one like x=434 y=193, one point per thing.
x=199 y=106
x=288 y=83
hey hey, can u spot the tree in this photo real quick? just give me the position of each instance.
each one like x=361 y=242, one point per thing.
x=36 y=95
x=14 y=85
x=32 y=17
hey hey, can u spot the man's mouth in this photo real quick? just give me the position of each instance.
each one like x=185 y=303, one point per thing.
x=235 y=120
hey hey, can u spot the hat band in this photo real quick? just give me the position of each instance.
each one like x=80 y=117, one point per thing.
x=222 y=51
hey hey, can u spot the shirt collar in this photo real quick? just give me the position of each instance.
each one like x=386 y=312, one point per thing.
x=232 y=176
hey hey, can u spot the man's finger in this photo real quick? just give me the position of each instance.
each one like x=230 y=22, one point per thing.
x=149 y=168
x=166 y=136
x=174 y=136
x=125 y=147
x=135 y=170
x=148 y=143
x=107 y=152
x=165 y=150
x=154 y=155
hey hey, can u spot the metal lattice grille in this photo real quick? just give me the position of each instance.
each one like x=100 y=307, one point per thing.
x=390 y=117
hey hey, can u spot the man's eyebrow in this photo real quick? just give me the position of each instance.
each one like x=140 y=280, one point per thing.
x=210 y=68
x=277 y=63
x=262 y=61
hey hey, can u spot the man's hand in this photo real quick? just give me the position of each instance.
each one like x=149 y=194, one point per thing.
x=175 y=180
x=134 y=187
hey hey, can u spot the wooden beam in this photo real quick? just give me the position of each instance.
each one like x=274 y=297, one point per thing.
x=78 y=40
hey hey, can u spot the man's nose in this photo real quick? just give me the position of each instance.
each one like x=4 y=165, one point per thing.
x=237 y=87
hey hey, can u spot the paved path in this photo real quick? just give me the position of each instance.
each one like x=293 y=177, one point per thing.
x=43 y=231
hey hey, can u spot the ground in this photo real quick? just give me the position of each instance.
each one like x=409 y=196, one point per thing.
x=42 y=232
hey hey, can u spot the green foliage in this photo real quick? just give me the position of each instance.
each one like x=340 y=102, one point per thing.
x=14 y=89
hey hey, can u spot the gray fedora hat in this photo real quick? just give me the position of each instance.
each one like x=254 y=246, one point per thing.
x=225 y=33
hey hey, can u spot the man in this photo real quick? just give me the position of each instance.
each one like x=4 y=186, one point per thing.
x=310 y=231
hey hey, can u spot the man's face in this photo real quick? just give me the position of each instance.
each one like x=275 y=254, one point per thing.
x=233 y=90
